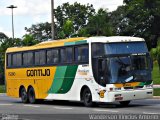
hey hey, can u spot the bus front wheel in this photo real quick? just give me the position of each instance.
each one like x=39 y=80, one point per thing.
x=125 y=103
x=23 y=95
x=31 y=95
x=87 y=98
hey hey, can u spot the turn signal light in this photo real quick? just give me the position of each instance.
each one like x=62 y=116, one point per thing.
x=111 y=89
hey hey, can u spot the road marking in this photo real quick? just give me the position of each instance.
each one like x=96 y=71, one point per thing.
x=103 y=110
x=149 y=113
x=63 y=108
x=32 y=106
x=5 y=104
x=2 y=94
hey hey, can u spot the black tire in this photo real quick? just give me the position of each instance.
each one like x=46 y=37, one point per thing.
x=124 y=103
x=31 y=96
x=23 y=95
x=39 y=100
x=87 y=98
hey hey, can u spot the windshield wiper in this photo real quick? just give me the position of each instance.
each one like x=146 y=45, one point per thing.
x=129 y=79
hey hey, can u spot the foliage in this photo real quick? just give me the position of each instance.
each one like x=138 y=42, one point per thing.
x=9 y=42
x=69 y=20
x=77 y=13
x=29 y=40
x=68 y=28
x=40 y=32
x=99 y=24
x=155 y=73
x=2 y=37
x=2 y=89
x=155 y=53
x=139 y=18
x=157 y=92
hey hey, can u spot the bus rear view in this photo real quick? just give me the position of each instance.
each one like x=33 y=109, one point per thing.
x=122 y=68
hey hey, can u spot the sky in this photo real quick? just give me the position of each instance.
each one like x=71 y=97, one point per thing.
x=30 y=12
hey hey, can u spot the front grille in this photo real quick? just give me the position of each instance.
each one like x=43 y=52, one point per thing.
x=137 y=87
x=126 y=88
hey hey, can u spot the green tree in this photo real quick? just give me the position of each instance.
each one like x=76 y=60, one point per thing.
x=3 y=37
x=68 y=28
x=6 y=43
x=29 y=40
x=40 y=32
x=99 y=24
x=139 y=18
x=77 y=13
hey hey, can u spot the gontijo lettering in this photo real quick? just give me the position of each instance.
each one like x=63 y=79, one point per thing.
x=38 y=72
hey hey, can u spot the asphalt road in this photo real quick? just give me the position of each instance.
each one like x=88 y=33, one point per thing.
x=11 y=107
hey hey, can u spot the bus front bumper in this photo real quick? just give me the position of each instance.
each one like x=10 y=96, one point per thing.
x=128 y=95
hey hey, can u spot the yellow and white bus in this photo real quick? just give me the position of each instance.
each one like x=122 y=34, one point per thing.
x=95 y=69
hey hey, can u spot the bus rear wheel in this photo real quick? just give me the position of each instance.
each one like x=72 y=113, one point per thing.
x=31 y=95
x=125 y=103
x=87 y=98
x=23 y=95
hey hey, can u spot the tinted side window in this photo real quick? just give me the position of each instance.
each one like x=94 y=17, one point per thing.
x=9 y=60
x=40 y=57
x=28 y=58
x=69 y=54
x=63 y=55
x=17 y=59
x=52 y=56
x=25 y=56
x=82 y=54
x=14 y=59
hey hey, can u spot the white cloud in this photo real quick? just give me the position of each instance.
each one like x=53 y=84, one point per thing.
x=37 y=7
x=8 y=33
x=39 y=11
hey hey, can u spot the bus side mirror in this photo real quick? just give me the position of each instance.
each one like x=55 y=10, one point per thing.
x=103 y=65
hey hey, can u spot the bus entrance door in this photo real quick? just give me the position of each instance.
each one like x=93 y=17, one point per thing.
x=103 y=76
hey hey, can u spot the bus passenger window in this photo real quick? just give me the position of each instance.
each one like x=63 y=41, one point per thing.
x=63 y=55
x=52 y=56
x=40 y=57
x=49 y=57
x=28 y=58
x=55 y=56
x=69 y=54
x=82 y=54
x=17 y=59
x=9 y=60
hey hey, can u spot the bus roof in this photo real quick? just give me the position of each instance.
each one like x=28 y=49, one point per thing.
x=115 y=39
x=58 y=43
x=46 y=44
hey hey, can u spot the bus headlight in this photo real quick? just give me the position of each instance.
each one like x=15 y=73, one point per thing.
x=149 y=86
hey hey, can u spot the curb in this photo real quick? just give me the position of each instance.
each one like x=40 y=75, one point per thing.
x=156 y=86
x=156 y=97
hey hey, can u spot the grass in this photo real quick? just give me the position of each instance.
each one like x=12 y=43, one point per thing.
x=156 y=74
x=2 y=88
x=157 y=92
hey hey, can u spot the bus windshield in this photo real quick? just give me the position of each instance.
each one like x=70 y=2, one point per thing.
x=128 y=69
x=124 y=62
